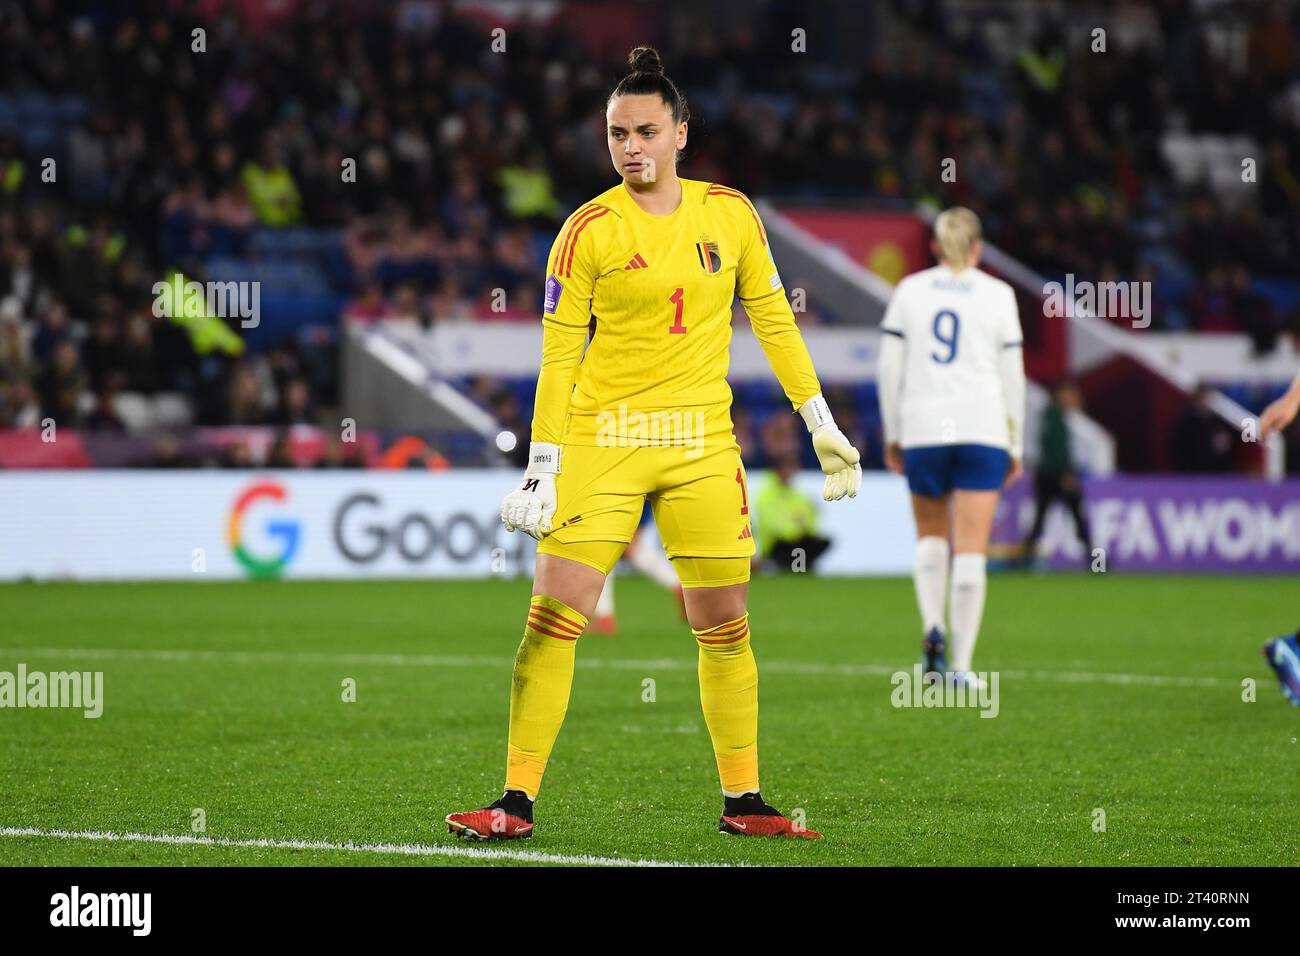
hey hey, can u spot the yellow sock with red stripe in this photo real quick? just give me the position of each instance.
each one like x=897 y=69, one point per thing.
x=729 y=696
x=539 y=692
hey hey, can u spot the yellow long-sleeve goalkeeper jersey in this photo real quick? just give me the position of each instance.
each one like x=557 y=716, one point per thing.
x=660 y=291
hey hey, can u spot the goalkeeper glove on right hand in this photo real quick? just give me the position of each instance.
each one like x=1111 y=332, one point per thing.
x=531 y=506
x=839 y=459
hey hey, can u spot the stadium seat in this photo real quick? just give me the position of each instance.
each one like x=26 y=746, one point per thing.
x=135 y=411
x=172 y=410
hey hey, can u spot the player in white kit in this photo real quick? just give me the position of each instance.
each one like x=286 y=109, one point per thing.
x=1283 y=653
x=952 y=399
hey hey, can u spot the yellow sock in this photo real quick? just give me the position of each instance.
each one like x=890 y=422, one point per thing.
x=729 y=696
x=539 y=693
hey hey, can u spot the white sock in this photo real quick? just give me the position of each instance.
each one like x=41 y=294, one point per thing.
x=648 y=557
x=968 y=584
x=930 y=573
x=605 y=603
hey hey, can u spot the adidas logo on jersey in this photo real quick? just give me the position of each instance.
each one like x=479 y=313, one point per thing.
x=744 y=534
x=636 y=262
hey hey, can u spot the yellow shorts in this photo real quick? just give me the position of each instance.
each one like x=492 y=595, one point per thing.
x=700 y=504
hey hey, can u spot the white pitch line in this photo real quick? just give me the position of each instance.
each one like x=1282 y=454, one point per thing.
x=397 y=849
x=590 y=663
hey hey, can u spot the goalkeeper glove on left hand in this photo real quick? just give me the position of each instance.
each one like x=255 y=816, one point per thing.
x=838 y=458
x=530 y=507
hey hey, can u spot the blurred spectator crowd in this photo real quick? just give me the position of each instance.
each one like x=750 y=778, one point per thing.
x=428 y=171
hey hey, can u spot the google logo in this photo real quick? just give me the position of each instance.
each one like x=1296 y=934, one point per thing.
x=286 y=531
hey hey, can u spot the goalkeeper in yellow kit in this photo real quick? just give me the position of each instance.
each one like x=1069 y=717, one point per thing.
x=650 y=269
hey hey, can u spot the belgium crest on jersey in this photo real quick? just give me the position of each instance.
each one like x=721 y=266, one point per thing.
x=710 y=260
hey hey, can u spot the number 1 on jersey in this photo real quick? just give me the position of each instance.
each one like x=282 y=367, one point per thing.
x=677 y=298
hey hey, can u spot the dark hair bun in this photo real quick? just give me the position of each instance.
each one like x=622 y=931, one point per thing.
x=645 y=59
x=648 y=79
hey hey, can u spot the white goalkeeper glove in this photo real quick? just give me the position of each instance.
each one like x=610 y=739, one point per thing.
x=531 y=506
x=839 y=459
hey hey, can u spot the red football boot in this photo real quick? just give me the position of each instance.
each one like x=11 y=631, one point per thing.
x=510 y=818
x=750 y=816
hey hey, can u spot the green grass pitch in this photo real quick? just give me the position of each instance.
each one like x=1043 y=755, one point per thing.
x=1122 y=694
